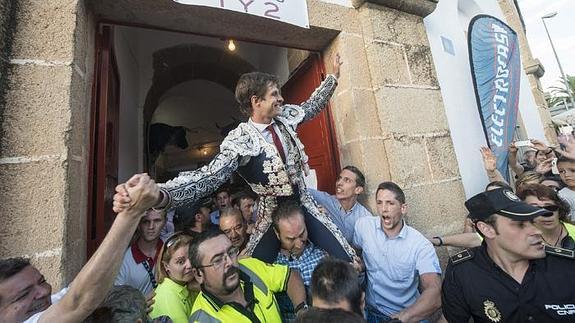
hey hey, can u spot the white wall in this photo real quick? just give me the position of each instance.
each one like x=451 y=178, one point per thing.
x=130 y=149
x=454 y=76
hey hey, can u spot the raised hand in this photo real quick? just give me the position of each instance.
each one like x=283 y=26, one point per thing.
x=513 y=149
x=566 y=154
x=337 y=62
x=539 y=145
x=489 y=159
x=544 y=166
x=568 y=143
x=139 y=191
x=145 y=194
x=121 y=199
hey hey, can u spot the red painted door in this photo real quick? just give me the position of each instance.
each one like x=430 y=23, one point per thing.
x=103 y=172
x=317 y=134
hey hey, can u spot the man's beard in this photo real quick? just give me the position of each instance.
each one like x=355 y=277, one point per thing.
x=227 y=287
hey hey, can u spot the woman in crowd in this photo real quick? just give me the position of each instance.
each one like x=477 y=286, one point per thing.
x=176 y=291
x=557 y=230
x=527 y=178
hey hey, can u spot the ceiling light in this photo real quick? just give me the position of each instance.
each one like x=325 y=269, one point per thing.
x=231 y=45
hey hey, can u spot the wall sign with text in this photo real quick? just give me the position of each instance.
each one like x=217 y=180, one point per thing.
x=289 y=11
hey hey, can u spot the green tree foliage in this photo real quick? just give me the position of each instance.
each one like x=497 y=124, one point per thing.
x=559 y=94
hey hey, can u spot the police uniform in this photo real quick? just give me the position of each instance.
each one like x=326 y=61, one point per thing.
x=258 y=281
x=475 y=286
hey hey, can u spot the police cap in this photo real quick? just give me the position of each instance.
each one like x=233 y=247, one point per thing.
x=503 y=202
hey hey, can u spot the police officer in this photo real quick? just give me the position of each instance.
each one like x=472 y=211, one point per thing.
x=512 y=276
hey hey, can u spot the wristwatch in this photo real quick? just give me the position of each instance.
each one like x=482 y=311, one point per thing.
x=440 y=241
x=301 y=306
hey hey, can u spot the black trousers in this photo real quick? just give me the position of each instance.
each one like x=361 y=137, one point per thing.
x=268 y=247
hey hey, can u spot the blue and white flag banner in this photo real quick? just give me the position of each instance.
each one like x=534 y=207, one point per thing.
x=496 y=72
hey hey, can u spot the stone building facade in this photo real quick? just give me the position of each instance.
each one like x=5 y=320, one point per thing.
x=531 y=65
x=388 y=109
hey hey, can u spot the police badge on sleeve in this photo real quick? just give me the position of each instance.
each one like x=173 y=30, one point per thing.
x=491 y=311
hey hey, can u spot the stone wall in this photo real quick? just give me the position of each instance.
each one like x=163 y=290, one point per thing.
x=7 y=26
x=389 y=114
x=43 y=150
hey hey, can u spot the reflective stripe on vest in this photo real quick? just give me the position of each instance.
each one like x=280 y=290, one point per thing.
x=203 y=317
x=256 y=280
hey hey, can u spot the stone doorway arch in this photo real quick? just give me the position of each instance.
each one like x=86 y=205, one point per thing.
x=187 y=62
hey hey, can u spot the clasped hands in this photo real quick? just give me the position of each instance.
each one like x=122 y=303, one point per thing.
x=139 y=193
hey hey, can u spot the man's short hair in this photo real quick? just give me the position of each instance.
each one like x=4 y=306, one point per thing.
x=360 y=179
x=163 y=213
x=242 y=195
x=193 y=251
x=527 y=178
x=394 y=188
x=335 y=280
x=250 y=84
x=231 y=212
x=11 y=266
x=491 y=220
x=498 y=184
x=315 y=315
x=185 y=216
x=285 y=210
x=224 y=188
x=123 y=304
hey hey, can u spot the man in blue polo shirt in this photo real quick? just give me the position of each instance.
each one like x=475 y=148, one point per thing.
x=343 y=207
x=398 y=261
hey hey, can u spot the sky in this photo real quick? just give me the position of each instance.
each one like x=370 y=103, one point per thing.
x=561 y=28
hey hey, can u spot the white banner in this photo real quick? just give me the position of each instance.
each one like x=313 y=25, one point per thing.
x=289 y=11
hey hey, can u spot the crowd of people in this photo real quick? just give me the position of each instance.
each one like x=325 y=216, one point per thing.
x=199 y=249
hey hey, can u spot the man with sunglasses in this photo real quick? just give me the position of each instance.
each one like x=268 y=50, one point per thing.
x=235 y=290
x=509 y=278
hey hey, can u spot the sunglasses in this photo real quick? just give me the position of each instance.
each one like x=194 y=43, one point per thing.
x=551 y=208
x=175 y=238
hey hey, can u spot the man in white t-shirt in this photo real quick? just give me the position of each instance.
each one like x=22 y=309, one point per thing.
x=25 y=293
x=140 y=259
